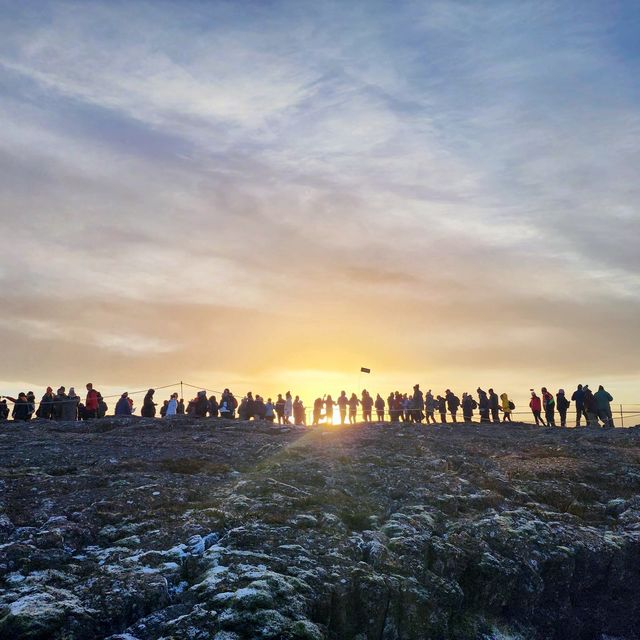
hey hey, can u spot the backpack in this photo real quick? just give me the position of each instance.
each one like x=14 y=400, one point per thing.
x=512 y=406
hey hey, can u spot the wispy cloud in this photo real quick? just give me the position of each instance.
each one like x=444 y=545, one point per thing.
x=318 y=171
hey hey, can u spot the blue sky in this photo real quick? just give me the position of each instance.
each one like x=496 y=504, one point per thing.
x=446 y=189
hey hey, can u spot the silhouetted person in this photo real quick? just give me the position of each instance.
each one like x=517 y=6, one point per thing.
x=483 y=405
x=417 y=403
x=91 y=403
x=379 y=404
x=578 y=398
x=353 y=408
x=259 y=408
x=21 y=408
x=280 y=408
x=367 y=405
x=603 y=407
x=123 y=406
x=71 y=408
x=563 y=405
x=535 y=404
x=148 y=405
x=58 y=403
x=468 y=405
x=317 y=411
x=249 y=405
x=430 y=407
x=269 y=411
x=31 y=400
x=163 y=409
x=453 y=403
x=494 y=405
x=298 y=411
x=549 y=405
x=213 y=407
x=180 y=407
x=228 y=404
x=45 y=410
x=328 y=408
x=507 y=407
x=288 y=407
x=102 y=406
x=4 y=410
x=201 y=407
x=343 y=403
x=590 y=407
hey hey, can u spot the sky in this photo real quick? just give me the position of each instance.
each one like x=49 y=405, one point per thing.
x=269 y=195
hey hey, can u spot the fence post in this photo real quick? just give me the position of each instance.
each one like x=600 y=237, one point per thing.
x=621 y=416
x=181 y=391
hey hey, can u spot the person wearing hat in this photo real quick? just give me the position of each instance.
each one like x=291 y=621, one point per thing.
x=562 y=404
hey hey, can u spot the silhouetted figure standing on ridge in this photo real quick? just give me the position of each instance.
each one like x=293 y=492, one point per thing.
x=535 y=404
x=453 y=402
x=148 y=405
x=494 y=405
x=563 y=405
x=379 y=404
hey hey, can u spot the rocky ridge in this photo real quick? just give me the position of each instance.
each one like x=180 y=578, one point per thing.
x=149 y=529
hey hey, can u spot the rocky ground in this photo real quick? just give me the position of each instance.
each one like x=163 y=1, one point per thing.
x=197 y=530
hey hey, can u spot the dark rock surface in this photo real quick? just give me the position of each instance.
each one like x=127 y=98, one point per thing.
x=196 y=530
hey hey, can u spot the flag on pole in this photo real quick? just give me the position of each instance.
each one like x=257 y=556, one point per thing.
x=365 y=370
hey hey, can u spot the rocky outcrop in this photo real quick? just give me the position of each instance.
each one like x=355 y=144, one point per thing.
x=191 y=530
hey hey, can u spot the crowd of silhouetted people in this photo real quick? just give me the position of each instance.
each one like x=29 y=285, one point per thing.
x=414 y=407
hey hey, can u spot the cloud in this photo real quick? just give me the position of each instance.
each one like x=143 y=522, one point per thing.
x=218 y=189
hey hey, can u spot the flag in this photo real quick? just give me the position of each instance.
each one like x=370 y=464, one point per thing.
x=365 y=370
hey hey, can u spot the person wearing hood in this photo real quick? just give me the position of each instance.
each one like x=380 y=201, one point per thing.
x=228 y=404
x=45 y=410
x=202 y=405
x=148 y=405
x=430 y=407
x=535 y=404
x=506 y=407
x=563 y=405
x=123 y=406
x=468 y=405
x=379 y=404
x=483 y=404
x=70 y=406
x=453 y=402
x=214 y=407
x=494 y=405
x=172 y=406
x=603 y=407
x=102 y=406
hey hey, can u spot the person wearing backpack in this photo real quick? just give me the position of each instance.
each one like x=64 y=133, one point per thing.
x=549 y=404
x=453 y=402
x=507 y=407
x=563 y=405
x=468 y=405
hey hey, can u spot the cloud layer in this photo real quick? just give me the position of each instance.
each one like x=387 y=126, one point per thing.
x=251 y=192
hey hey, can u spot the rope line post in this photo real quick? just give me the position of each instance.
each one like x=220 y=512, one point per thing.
x=621 y=417
x=181 y=391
